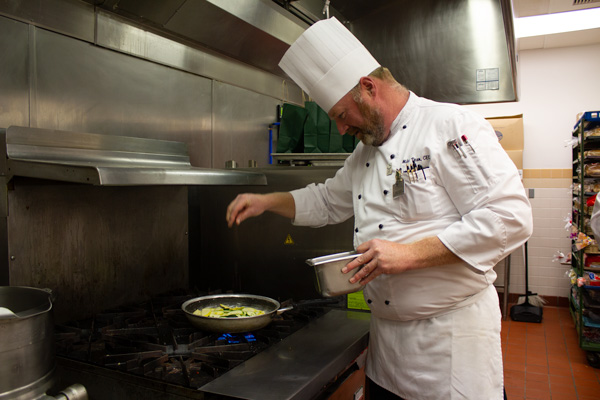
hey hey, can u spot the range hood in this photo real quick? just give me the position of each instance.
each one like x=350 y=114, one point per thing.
x=107 y=160
x=460 y=51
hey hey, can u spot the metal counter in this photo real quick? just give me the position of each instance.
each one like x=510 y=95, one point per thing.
x=301 y=365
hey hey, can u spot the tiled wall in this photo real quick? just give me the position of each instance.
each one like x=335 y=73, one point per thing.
x=551 y=203
x=548 y=177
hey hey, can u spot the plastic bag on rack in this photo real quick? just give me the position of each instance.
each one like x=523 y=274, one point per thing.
x=336 y=141
x=316 y=129
x=574 y=142
x=582 y=241
x=558 y=256
x=568 y=222
x=291 y=129
x=592 y=169
x=592 y=132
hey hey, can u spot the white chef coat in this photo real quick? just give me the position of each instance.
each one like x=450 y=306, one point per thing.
x=471 y=197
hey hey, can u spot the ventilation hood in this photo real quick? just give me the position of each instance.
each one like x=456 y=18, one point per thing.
x=459 y=51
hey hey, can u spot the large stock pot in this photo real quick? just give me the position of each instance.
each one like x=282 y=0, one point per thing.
x=27 y=342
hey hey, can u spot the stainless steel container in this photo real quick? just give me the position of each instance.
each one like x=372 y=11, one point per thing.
x=330 y=280
x=26 y=342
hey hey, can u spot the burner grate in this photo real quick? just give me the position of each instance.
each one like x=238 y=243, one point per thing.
x=155 y=339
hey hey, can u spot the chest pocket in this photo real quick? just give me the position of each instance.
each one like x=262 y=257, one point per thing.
x=420 y=201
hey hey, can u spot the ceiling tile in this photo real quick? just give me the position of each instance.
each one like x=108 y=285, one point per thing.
x=527 y=8
x=530 y=43
x=578 y=38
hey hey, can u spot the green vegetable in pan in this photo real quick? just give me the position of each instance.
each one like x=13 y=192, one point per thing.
x=228 y=312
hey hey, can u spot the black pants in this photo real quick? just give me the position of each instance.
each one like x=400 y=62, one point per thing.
x=375 y=392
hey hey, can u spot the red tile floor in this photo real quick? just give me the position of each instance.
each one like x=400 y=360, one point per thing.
x=544 y=361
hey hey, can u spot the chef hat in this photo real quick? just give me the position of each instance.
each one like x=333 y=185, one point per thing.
x=327 y=61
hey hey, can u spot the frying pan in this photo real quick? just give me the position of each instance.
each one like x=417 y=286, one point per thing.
x=234 y=324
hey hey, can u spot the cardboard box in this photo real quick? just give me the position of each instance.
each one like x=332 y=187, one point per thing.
x=511 y=129
x=512 y=140
x=517 y=157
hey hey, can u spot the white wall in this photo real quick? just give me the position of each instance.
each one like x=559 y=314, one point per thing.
x=554 y=85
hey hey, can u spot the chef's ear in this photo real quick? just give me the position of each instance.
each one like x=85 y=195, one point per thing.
x=367 y=84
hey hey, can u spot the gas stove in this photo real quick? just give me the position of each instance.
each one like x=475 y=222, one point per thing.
x=152 y=345
x=155 y=339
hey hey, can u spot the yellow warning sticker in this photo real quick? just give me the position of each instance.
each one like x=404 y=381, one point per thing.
x=289 y=240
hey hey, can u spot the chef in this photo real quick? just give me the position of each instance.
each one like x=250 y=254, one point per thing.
x=436 y=203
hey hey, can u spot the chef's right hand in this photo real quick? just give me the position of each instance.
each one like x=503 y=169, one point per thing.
x=244 y=206
x=250 y=205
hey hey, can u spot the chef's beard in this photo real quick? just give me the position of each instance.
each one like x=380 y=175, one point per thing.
x=372 y=131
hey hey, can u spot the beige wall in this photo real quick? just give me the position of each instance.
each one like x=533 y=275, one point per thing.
x=547 y=178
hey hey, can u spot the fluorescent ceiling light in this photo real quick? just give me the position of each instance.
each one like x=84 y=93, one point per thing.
x=557 y=23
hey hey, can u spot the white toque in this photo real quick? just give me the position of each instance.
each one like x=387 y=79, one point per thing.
x=326 y=61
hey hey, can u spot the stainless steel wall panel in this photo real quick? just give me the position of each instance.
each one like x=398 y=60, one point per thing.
x=263 y=14
x=440 y=48
x=85 y=88
x=14 y=73
x=241 y=125
x=91 y=243
x=158 y=11
x=315 y=10
x=14 y=109
x=256 y=32
x=264 y=255
x=117 y=35
x=114 y=33
x=4 y=268
x=97 y=247
x=70 y=17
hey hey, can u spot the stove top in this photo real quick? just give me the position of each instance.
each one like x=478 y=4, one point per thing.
x=154 y=339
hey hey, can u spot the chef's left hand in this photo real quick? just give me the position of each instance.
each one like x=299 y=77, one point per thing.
x=378 y=257
x=385 y=257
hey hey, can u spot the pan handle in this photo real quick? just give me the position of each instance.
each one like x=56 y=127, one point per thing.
x=284 y=309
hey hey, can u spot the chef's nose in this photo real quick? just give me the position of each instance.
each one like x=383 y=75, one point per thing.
x=342 y=128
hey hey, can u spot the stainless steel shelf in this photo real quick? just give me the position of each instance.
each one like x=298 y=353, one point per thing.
x=316 y=159
x=108 y=160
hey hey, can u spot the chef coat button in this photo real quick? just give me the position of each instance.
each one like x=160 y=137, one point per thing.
x=385 y=192
x=404 y=127
x=369 y=301
x=393 y=156
x=387 y=302
x=380 y=226
x=356 y=230
x=368 y=165
x=360 y=196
